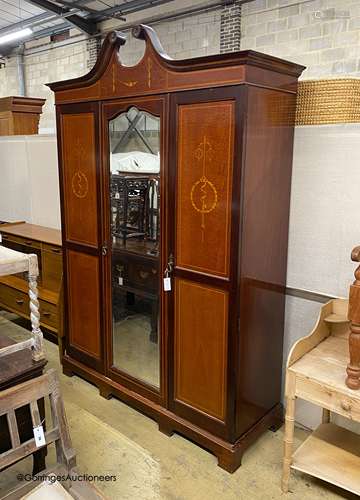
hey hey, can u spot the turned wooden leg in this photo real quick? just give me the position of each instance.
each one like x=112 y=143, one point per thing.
x=353 y=368
x=38 y=347
x=288 y=442
x=325 y=416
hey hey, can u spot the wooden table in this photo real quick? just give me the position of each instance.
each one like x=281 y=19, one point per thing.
x=316 y=372
x=15 y=368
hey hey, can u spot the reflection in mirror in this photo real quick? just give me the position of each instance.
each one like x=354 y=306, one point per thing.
x=135 y=224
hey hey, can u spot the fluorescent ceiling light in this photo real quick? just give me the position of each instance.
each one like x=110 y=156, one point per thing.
x=15 y=35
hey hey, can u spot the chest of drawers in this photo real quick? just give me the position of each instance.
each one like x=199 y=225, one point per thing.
x=46 y=244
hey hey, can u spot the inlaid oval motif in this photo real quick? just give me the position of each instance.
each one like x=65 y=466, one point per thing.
x=79 y=184
x=203 y=196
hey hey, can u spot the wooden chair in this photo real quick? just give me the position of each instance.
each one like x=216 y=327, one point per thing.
x=29 y=393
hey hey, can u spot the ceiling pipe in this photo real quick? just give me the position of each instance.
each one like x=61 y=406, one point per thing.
x=20 y=66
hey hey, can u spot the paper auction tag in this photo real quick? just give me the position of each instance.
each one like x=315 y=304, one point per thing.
x=39 y=436
x=167 y=284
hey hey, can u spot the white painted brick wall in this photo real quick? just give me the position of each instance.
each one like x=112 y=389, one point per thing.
x=324 y=35
x=61 y=63
x=9 y=82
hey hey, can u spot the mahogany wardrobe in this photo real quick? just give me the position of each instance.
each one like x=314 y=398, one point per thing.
x=175 y=187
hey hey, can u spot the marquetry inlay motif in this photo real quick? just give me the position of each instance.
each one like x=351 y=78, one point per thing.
x=79 y=181
x=149 y=71
x=130 y=83
x=127 y=83
x=80 y=184
x=203 y=193
x=204 y=186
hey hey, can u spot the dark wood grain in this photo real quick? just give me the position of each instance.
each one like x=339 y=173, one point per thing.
x=226 y=229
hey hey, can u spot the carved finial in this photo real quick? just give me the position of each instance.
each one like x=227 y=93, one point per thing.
x=355 y=257
x=355 y=254
x=353 y=368
x=115 y=37
x=143 y=32
x=138 y=32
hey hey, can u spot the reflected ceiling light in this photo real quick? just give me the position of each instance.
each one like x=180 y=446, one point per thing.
x=16 y=35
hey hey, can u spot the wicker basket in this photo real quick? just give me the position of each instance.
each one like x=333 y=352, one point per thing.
x=328 y=101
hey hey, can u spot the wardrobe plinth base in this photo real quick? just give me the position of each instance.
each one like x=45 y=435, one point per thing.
x=229 y=455
x=67 y=370
x=165 y=427
x=105 y=392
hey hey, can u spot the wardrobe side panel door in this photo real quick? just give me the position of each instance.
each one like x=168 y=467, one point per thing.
x=84 y=321
x=79 y=178
x=201 y=347
x=205 y=160
x=78 y=129
x=204 y=129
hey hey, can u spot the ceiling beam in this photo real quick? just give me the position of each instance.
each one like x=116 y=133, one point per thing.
x=83 y=24
x=36 y=20
x=25 y=23
x=129 y=7
x=79 y=6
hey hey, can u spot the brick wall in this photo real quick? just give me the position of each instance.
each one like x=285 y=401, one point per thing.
x=93 y=46
x=230 y=28
x=321 y=34
x=49 y=64
x=9 y=82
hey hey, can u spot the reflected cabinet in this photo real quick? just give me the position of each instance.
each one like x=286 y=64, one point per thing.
x=175 y=186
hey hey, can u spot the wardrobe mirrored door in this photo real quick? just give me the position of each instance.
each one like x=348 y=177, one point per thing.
x=134 y=144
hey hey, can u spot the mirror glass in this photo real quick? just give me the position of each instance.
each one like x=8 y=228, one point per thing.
x=135 y=223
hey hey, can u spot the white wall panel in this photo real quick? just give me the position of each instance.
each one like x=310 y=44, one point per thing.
x=325 y=208
x=29 y=186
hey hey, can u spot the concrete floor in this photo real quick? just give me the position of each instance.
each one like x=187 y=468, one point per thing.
x=112 y=438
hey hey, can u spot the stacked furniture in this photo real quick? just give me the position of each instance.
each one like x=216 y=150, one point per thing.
x=63 y=479
x=46 y=244
x=17 y=367
x=221 y=128
x=316 y=372
x=20 y=115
